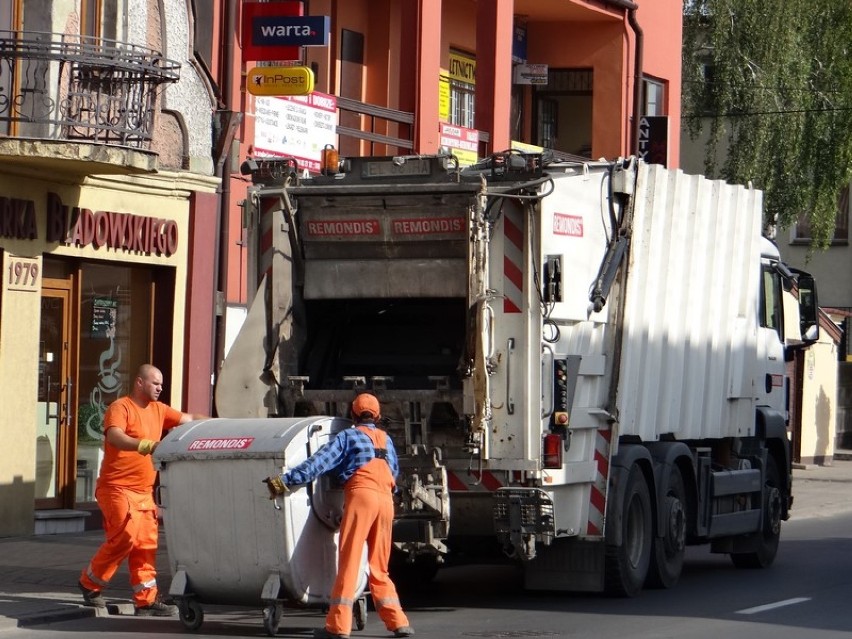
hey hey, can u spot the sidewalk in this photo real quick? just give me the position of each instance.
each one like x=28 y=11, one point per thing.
x=38 y=574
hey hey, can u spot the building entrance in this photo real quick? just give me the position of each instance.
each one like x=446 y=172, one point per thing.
x=97 y=327
x=55 y=428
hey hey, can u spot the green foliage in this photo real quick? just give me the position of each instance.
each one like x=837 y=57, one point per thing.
x=777 y=103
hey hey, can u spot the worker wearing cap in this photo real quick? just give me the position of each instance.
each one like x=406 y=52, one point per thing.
x=364 y=460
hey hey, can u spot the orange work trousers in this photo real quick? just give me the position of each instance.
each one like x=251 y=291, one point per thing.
x=131 y=528
x=367 y=517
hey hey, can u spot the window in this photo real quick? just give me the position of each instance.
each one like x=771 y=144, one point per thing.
x=548 y=119
x=462 y=89
x=653 y=97
x=801 y=232
x=100 y=19
x=771 y=313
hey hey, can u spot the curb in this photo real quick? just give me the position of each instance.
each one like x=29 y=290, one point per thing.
x=56 y=615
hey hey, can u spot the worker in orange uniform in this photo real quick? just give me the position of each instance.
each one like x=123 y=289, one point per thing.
x=364 y=460
x=133 y=427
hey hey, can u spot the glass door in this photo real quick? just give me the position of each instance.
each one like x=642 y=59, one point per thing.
x=55 y=429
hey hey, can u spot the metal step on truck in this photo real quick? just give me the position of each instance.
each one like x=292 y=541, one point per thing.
x=584 y=365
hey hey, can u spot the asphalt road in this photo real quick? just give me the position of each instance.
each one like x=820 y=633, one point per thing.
x=805 y=594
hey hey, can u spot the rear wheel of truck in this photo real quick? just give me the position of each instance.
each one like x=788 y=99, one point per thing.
x=627 y=564
x=767 y=539
x=669 y=547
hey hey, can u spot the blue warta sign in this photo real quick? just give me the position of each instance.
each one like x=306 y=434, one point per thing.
x=301 y=31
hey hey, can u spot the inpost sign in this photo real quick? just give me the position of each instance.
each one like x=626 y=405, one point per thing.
x=277 y=30
x=280 y=81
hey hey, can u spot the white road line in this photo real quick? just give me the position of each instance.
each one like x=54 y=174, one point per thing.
x=772 y=606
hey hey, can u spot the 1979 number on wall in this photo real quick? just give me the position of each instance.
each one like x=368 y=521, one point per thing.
x=22 y=274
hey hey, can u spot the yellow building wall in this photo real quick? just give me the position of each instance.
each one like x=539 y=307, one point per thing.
x=160 y=197
x=819 y=402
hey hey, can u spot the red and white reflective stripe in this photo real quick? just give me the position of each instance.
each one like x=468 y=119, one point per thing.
x=513 y=259
x=269 y=210
x=597 y=496
x=469 y=481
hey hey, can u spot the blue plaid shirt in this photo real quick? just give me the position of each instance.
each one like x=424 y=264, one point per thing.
x=342 y=456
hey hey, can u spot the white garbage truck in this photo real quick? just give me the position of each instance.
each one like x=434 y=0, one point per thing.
x=583 y=364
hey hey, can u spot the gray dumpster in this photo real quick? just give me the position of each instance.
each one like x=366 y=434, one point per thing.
x=228 y=543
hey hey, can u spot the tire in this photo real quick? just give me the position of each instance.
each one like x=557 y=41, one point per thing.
x=360 y=613
x=669 y=548
x=627 y=564
x=767 y=539
x=191 y=614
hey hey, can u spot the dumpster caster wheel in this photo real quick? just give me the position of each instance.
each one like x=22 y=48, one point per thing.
x=360 y=613
x=191 y=614
x=271 y=618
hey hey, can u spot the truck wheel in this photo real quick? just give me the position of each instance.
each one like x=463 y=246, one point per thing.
x=767 y=542
x=627 y=564
x=669 y=548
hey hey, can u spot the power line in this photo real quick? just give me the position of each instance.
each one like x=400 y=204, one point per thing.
x=740 y=114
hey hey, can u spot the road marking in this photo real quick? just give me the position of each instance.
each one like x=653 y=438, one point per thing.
x=772 y=606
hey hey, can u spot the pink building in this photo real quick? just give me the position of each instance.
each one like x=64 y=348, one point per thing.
x=496 y=74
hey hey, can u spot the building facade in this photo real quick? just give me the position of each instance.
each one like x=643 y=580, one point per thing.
x=107 y=198
x=594 y=78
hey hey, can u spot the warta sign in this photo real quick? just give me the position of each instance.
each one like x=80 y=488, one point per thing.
x=276 y=30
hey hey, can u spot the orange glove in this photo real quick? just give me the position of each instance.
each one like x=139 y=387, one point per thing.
x=147 y=446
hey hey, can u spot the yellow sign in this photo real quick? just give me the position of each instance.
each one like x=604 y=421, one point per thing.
x=462 y=68
x=443 y=97
x=280 y=81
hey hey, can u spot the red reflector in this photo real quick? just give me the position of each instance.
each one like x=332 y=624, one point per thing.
x=552 y=454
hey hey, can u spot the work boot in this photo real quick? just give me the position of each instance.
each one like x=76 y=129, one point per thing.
x=403 y=631
x=322 y=633
x=156 y=609
x=92 y=598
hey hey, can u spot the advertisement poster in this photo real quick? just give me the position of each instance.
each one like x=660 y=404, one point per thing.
x=104 y=314
x=296 y=126
x=462 y=142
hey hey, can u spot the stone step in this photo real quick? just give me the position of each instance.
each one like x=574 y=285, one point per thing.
x=60 y=520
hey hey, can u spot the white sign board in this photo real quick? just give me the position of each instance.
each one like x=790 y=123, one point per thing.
x=295 y=126
x=529 y=74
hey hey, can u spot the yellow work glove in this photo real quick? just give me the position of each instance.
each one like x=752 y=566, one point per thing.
x=146 y=446
x=275 y=486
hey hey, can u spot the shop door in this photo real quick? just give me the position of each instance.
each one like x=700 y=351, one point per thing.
x=55 y=450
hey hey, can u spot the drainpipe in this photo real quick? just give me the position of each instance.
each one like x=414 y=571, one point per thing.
x=631 y=8
x=224 y=175
x=637 y=81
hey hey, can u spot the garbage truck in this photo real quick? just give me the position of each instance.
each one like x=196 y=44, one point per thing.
x=585 y=365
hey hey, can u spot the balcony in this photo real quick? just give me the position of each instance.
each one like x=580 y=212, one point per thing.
x=98 y=95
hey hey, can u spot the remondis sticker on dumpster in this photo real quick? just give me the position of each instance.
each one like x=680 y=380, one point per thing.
x=222 y=443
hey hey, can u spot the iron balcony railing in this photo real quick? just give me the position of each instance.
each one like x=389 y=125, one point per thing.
x=57 y=86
